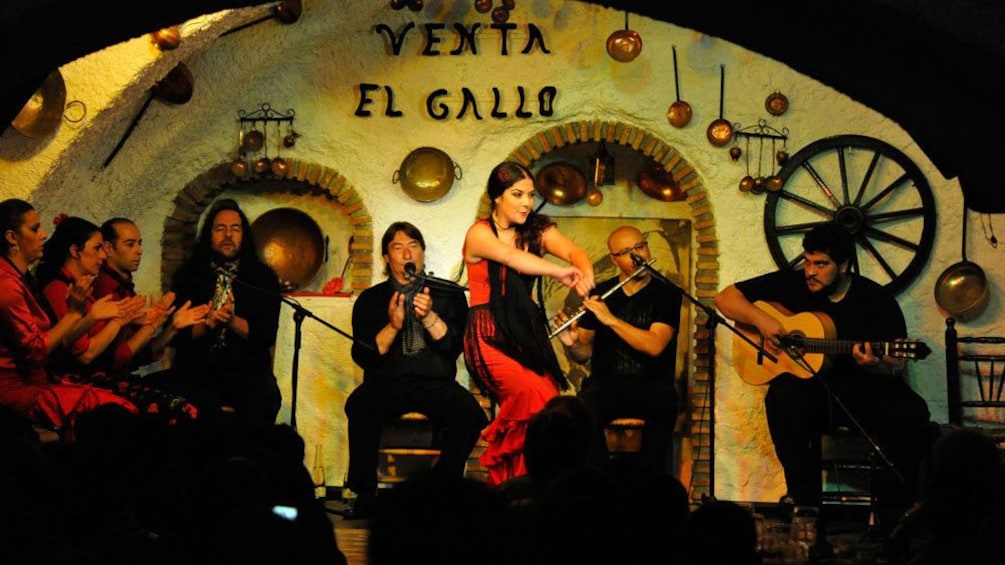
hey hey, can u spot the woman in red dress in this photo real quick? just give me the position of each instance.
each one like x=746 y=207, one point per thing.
x=506 y=345
x=74 y=254
x=27 y=335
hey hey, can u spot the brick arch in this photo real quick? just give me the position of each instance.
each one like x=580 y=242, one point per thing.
x=181 y=225
x=706 y=264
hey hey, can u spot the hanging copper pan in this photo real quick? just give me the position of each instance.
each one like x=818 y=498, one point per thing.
x=561 y=183
x=962 y=289
x=657 y=182
x=41 y=115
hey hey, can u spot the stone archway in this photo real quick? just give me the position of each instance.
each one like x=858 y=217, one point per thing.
x=180 y=227
x=706 y=265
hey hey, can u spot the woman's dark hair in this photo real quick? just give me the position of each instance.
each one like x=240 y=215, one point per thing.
x=72 y=230
x=528 y=234
x=831 y=239
x=248 y=249
x=12 y=213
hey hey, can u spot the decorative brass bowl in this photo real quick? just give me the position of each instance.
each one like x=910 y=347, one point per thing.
x=426 y=174
x=291 y=242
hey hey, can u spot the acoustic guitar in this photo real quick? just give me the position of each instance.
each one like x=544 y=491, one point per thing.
x=809 y=339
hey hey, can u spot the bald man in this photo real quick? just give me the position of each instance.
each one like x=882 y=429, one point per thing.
x=630 y=337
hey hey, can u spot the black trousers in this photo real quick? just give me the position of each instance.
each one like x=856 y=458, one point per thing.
x=895 y=417
x=656 y=402
x=451 y=408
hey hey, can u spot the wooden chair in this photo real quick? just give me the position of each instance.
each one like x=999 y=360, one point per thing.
x=408 y=444
x=975 y=379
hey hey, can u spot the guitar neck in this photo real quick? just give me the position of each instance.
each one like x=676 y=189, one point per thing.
x=844 y=347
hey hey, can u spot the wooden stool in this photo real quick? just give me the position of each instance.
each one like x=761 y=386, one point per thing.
x=624 y=435
x=407 y=446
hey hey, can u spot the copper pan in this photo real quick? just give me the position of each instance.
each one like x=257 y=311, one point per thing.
x=291 y=242
x=561 y=183
x=962 y=289
x=44 y=110
x=657 y=182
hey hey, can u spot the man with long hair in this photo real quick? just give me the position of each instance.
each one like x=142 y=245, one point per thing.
x=224 y=365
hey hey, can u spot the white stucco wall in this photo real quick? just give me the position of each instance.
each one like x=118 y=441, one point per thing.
x=315 y=66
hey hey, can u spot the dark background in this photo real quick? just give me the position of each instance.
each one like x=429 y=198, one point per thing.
x=933 y=66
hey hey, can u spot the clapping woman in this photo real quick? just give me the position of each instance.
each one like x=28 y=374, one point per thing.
x=28 y=335
x=73 y=256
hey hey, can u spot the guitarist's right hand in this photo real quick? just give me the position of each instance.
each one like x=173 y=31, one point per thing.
x=771 y=330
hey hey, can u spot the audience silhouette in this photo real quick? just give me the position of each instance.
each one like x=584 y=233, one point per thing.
x=135 y=488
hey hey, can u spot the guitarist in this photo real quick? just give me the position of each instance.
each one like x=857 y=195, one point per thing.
x=872 y=388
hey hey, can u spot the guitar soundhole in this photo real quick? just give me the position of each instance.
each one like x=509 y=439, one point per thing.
x=794 y=339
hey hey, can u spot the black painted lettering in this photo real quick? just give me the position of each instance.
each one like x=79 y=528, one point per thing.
x=432 y=39
x=504 y=30
x=444 y=112
x=546 y=101
x=389 y=110
x=520 y=112
x=364 y=99
x=466 y=36
x=534 y=36
x=468 y=101
x=496 y=100
x=396 y=40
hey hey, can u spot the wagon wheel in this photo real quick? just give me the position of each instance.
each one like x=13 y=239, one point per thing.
x=866 y=186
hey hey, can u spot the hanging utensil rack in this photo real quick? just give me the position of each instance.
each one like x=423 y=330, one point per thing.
x=265 y=114
x=761 y=130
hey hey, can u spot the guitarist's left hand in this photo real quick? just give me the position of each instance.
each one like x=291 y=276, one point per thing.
x=862 y=352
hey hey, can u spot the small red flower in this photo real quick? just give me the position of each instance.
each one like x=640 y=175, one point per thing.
x=59 y=219
x=503 y=175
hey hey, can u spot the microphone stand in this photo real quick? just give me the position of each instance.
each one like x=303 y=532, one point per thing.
x=299 y=315
x=714 y=321
x=432 y=281
x=713 y=317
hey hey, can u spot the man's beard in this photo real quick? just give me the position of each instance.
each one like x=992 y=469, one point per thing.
x=830 y=289
x=218 y=257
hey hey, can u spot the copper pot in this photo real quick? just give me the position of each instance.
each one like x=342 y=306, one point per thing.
x=962 y=289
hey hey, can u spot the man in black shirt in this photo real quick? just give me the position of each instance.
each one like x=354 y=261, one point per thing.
x=224 y=366
x=870 y=385
x=630 y=339
x=414 y=332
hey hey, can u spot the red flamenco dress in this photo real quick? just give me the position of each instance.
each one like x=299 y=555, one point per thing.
x=25 y=384
x=507 y=352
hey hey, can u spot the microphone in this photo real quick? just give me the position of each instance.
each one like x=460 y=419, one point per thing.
x=637 y=259
x=411 y=274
